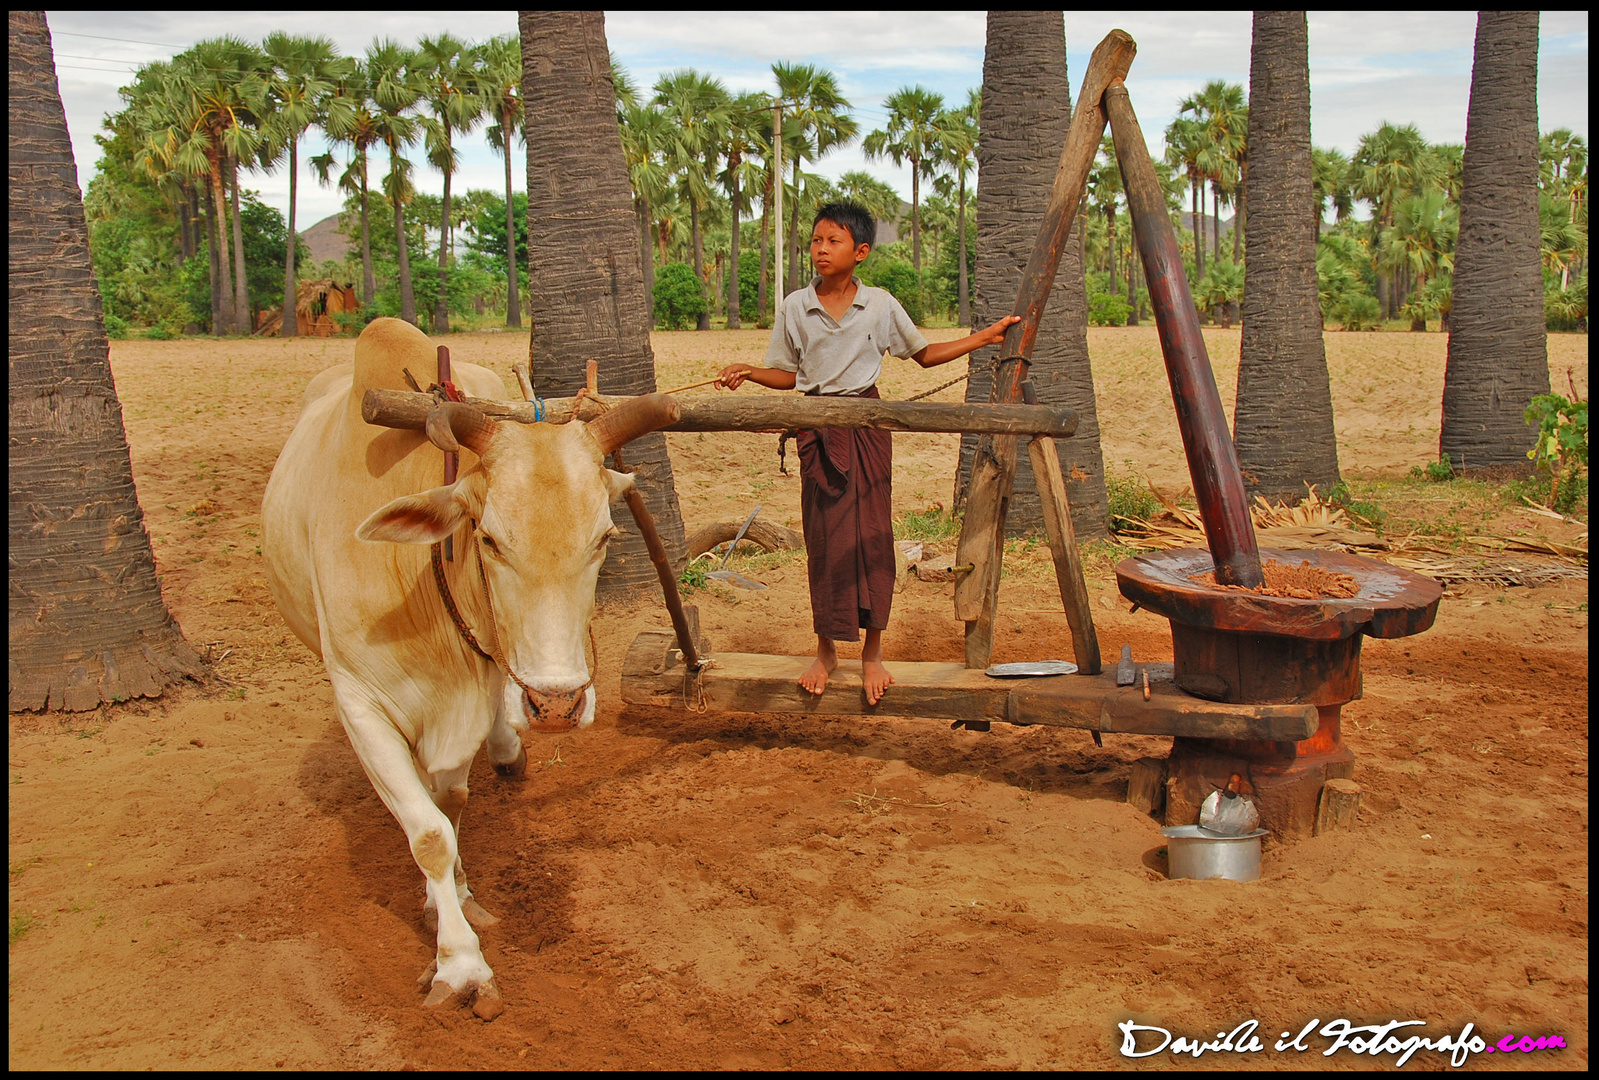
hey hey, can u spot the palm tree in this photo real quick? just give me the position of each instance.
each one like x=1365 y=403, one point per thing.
x=1104 y=191
x=958 y=139
x=445 y=70
x=394 y=91
x=1026 y=112
x=1390 y=164
x=587 y=285
x=698 y=108
x=910 y=136
x=1498 y=347
x=88 y=625
x=1421 y=242
x=219 y=88
x=746 y=124
x=1185 y=145
x=500 y=83
x=303 y=74
x=1283 y=420
x=1221 y=111
x=816 y=117
x=873 y=195
x=646 y=132
x=1330 y=184
x=358 y=124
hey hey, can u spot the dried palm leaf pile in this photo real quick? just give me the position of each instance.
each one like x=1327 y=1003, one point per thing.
x=1316 y=523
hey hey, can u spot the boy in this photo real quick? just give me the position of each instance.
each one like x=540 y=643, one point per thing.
x=829 y=339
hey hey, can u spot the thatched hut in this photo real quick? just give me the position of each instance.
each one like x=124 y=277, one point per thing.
x=315 y=304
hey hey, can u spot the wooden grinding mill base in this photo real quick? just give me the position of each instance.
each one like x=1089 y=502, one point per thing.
x=1244 y=647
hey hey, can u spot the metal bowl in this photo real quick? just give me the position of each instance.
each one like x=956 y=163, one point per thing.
x=1201 y=854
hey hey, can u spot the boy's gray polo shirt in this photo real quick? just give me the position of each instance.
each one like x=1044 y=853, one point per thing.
x=840 y=357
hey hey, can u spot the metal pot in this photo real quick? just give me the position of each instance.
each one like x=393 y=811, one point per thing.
x=1200 y=854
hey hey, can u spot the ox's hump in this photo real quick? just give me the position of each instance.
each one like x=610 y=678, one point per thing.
x=385 y=349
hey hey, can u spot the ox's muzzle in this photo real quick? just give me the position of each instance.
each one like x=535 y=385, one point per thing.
x=553 y=713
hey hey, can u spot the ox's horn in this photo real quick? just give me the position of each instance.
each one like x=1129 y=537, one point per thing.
x=633 y=418
x=452 y=425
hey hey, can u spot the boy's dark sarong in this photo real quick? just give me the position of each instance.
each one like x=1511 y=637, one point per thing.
x=847 y=506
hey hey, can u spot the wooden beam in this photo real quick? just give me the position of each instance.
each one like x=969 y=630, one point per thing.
x=994 y=465
x=1063 y=550
x=405 y=409
x=653 y=675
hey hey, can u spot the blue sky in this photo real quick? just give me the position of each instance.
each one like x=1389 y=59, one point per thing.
x=1365 y=67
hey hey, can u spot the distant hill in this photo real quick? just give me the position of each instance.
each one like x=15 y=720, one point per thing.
x=325 y=240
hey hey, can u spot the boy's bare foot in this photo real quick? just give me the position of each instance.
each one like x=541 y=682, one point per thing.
x=876 y=679
x=874 y=676
x=815 y=677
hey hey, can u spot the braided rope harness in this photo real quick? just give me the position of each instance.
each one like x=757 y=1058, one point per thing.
x=564 y=705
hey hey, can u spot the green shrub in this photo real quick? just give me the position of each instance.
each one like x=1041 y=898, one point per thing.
x=1358 y=311
x=1436 y=472
x=1127 y=498
x=749 y=284
x=679 y=297
x=1562 y=447
x=899 y=279
x=116 y=329
x=161 y=332
x=1107 y=309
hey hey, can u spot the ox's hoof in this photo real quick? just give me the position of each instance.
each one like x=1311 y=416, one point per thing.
x=513 y=770
x=485 y=999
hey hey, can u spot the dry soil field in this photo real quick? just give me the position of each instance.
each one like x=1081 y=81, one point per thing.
x=209 y=881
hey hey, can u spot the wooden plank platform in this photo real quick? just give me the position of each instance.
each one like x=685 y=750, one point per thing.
x=652 y=674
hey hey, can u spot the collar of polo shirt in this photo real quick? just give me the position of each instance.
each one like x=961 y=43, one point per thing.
x=814 y=302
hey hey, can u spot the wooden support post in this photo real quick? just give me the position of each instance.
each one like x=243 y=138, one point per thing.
x=1146 y=786
x=1340 y=802
x=994 y=466
x=681 y=625
x=1063 y=547
x=591 y=379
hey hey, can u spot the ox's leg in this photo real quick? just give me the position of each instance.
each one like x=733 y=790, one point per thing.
x=506 y=752
x=449 y=790
x=384 y=754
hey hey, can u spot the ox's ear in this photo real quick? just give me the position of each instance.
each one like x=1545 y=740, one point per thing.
x=618 y=482
x=422 y=519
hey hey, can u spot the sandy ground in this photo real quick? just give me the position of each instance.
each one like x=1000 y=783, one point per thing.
x=208 y=880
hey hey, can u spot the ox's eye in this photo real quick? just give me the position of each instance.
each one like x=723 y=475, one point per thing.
x=606 y=537
x=488 y=543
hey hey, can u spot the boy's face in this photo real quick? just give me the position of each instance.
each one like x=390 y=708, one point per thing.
x=833 y=249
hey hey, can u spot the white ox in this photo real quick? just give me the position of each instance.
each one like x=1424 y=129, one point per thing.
x=348 y=519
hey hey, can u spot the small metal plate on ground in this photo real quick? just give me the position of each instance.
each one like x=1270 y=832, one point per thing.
x=1031 y=668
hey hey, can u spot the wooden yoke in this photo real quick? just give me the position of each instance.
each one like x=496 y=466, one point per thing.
x=982 y=536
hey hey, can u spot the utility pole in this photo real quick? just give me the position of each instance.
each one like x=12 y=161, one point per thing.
x=777 y=217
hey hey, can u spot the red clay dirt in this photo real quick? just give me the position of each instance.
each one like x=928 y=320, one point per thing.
x=209 y=881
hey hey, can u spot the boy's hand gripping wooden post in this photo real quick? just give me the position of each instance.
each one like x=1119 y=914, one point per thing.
x=1063 y=546
x=994 y=465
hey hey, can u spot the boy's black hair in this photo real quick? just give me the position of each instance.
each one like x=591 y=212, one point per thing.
x=852 y=217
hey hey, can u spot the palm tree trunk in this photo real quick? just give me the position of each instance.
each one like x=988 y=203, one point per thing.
x=407 y=293
x=1498 y=347
x=1199 y=229
x=221 y=305
x=369 y=284
x=1026 y=112
x=1110 y=246
x=735 y=294
x=699 y=260
x=792 y=282
x=1215 y=222
x=88 y=624
x=1132 y=291
x=916 y=217
x=587 y=284
x=646 y=248
x=1283 y=426
x=760 y=287
x=441 y=300
x=243 y=317
x=513 y=299
x=291 y=324
x=964 y=289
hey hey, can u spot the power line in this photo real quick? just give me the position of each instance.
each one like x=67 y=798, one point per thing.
x=101 y=59
x=125 y=41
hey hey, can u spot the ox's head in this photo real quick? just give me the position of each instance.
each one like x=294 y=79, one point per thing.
x=540 y=502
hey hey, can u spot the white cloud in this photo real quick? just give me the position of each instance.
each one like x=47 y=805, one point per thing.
x=1366 y=66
